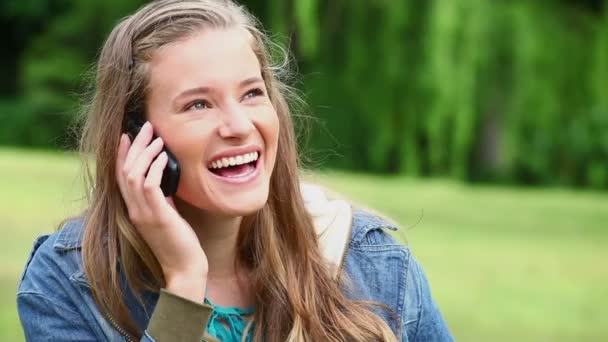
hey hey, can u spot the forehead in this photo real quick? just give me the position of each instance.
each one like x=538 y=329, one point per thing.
x=210 y=57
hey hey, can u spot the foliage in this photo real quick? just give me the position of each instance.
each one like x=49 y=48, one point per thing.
x=508 y=91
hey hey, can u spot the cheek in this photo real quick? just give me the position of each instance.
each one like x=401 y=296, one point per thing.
x=270 y=129
x=188 y=148
x=188 y=142
x=193 y=187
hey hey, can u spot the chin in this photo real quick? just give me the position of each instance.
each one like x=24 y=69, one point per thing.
x=227 y=200
x=242 y=204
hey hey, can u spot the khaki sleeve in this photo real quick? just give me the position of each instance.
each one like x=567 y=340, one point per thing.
x=178 y=319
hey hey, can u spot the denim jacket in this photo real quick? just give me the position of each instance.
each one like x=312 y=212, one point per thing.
x=55 y=302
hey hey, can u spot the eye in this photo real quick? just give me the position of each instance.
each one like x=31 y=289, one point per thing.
x=198 y=105
x=253 y=93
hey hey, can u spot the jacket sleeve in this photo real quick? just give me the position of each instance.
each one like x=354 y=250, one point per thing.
x=177 y=319
x=424 y=321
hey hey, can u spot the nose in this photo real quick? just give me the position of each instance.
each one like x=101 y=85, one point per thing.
x=235 y=123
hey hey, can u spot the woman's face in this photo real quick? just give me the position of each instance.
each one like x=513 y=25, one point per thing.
x=209 y=103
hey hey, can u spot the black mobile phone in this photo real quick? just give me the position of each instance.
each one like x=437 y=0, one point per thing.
x=170 y=178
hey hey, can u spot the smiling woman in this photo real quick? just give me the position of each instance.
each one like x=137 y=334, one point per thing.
x=240 y=250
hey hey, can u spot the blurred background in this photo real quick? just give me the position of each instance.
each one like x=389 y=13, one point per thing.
x=480 y=126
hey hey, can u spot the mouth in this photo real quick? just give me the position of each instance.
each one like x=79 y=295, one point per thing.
x=236 y=169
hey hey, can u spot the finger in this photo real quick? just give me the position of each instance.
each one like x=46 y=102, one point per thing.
x=151 y=187
x=139 y=143
x=137 y=175
x=144 y=160
x=123 y=148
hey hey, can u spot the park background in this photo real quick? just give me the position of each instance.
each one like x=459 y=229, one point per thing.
x=480 y=126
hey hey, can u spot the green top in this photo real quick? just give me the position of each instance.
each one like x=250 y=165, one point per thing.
x=228 y=323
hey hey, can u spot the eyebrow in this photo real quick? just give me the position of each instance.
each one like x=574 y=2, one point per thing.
x=204 y=90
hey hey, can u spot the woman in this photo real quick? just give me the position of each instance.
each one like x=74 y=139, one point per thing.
x=234 y=254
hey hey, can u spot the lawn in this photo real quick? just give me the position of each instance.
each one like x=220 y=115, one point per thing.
x=504 y=263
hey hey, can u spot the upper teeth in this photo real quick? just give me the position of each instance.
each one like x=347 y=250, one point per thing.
x=234 y=160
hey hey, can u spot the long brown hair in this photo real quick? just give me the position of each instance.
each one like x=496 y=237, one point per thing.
x=296 y=298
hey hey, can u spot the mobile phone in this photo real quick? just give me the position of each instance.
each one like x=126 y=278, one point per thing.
x=171 y=173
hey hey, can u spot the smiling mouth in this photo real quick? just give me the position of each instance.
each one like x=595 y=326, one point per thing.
x=235 y=167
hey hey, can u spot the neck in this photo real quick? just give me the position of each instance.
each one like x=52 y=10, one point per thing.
x=217 y=236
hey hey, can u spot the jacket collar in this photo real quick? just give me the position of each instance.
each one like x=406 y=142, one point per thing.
x=70 y=234
x=365 y=221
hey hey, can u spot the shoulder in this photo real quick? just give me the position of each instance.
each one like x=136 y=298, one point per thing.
x=338 y=219
x=53 y=258
x=67 y=238
x=53 y=297
x=342 y=229
x=382 y=270
x=369 y=228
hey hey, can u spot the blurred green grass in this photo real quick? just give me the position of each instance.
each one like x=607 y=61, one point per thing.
x=504 y=263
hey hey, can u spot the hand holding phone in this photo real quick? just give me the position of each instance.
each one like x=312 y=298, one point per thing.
x=140 y=166
x=171 y=173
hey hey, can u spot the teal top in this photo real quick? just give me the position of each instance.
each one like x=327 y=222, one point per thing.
x=228 y=324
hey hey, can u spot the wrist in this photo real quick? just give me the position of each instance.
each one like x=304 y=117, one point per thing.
x=188 y=286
